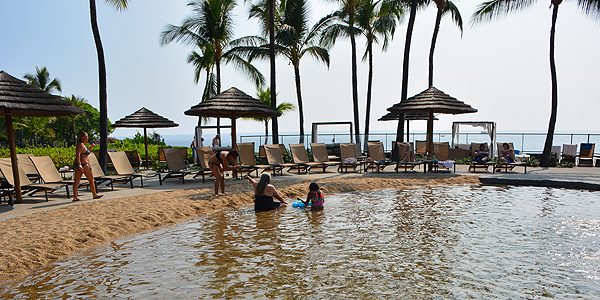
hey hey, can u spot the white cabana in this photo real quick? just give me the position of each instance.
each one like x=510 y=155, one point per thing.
x=490 y=127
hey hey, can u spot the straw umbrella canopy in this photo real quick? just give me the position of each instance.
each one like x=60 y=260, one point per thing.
x=408 y=117
x=145 y=118
x=432 y=101
x=17 y=98
x=232 y=104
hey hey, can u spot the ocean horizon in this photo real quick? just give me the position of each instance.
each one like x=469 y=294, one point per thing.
x=531 y=142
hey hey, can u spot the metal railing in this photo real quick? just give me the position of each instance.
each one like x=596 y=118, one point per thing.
x=524 y=142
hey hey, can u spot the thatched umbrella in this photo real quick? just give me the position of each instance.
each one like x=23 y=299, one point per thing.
x=432 y=101
x=232 y=104
x=408 y=117
x=17 y=98
x=145 y=118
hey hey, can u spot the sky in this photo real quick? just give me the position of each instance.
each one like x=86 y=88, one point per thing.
x=500 y=68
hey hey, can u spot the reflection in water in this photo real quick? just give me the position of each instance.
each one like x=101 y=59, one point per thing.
x=441 y=242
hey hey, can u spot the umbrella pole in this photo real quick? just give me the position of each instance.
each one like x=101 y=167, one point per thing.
x=407 y=131
x=13 y=155
x=430 y=137
x=233 y=134
x=146 y=145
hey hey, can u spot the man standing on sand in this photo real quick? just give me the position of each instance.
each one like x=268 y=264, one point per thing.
x=216 y=142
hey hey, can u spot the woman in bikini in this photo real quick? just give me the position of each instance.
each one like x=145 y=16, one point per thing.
x=264 y=192
x=219 y=163
x=82 y=166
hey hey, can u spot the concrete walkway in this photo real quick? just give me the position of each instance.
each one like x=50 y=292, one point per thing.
x=578 y=178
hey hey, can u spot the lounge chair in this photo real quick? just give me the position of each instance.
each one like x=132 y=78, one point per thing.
x=275 y=159
x=26 y=186
x=246 y=151
x=479 y=165
x=28 y=166
x=555 y=152
x=348 y=157
x=399 y=148
x=177 y=168
x=421 y=147
x=319 y=152
x=124 y=168
x=203 y=154
x=377 y=155
x=161 y=154
x=441 y=152
x=300 y=157
x=49 y=174
x=569 y=153
x=134 y=158
x=586 y=155
x=100 y=177
x=507 y=166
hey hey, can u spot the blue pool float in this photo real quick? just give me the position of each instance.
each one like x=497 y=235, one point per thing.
x=299 y=203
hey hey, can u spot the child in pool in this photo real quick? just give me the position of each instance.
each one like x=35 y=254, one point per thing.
x=315 y=197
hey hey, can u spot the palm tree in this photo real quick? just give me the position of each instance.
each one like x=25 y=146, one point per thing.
x=210 y=27
x=443 y=7
x=265 y=97
x=77 y=102
x=346 y=28
x=38 y=125
x=41 y=79
x=294 y=39
x=118 y=5
x=490 y=10
x=414 y=5
x=375 y=19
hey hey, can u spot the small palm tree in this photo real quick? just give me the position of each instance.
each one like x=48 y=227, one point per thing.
x=41 y=79
x=295 y=39
x=38 y=126
x=490 y=10
x=77 y=102
x=345 y=27
x=265 y=97
x=375 y=20
x=443 y=7
x=118 y=5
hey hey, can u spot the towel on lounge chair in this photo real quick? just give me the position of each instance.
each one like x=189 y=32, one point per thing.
x=348 y=151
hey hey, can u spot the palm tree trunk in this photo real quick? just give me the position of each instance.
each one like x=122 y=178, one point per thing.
x=102 y=78
x=299 y=97
x=272 y=62
x=218 y=92
x=369 y=86
x=545 y=162
x=266 y=131
x=404 y=94
x=354 y=75
x=436 y=30
x=74 y=132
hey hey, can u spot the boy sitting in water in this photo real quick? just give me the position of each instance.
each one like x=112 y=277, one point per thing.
x=315 y=197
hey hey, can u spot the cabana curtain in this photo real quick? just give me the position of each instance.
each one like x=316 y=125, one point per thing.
x=490 y=127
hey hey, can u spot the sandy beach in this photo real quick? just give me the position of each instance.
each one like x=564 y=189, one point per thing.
x=37 y=239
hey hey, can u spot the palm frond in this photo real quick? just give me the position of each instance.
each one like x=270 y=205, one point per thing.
x=119 y=5
x=491 y=10
x=590 y=8
x=246 y=68
x=455 y=13
x=317 y=52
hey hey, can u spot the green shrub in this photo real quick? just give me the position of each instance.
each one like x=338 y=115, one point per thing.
x=531 y=161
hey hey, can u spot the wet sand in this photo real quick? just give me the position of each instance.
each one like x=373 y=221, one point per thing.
x=31 y=241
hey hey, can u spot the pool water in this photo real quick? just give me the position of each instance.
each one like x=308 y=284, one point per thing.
x=439 y=242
